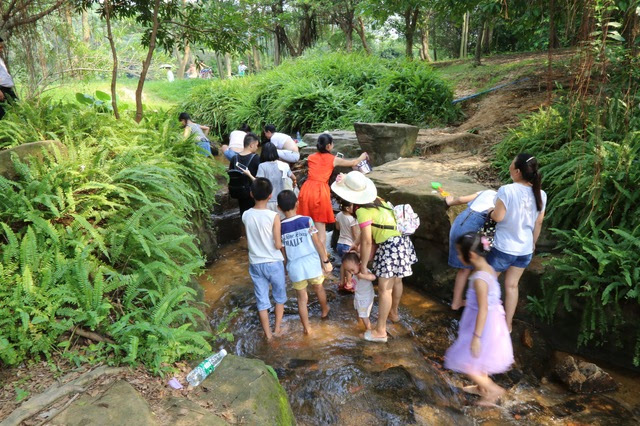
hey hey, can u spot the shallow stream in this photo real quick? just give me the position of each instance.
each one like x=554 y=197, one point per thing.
x=335 y=377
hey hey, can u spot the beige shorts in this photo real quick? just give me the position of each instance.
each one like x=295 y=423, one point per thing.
x=301 y=285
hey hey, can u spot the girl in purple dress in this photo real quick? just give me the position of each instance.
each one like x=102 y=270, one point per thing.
x=483 y=346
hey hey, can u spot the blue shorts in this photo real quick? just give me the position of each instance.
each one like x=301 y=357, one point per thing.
x=467 y=221
x=263 y=274
x=501 y=261
x=206 y=146
x=341 y=250
x=230 y=154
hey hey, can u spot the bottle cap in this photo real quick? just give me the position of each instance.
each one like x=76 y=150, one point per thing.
x=223 y=352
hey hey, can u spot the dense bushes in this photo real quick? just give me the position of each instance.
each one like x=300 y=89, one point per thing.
x=324 y=93
x=589 y=150
x=95 y=240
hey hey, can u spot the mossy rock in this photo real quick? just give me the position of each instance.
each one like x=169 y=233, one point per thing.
x=24 y=151
x=247 y=389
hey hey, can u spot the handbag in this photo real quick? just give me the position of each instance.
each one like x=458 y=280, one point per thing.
x=488 y=229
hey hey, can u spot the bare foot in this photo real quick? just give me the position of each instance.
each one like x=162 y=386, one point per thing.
x=325 y=314
x=278 y=332
x=269 y=337
x=491 y=397
x=306 y=331
x=473 y=390
x=394 y=317
x=455 y=305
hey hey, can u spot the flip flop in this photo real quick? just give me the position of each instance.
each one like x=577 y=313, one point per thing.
x=369 y=337
x=472 y=389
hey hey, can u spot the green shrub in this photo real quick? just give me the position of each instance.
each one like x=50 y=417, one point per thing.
x=98 y=239
x=326 y=92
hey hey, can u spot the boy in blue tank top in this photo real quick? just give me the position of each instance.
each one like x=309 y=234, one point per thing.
x=306 y=258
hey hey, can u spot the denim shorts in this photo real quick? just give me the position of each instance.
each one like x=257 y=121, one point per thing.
x=467 y=221
x=230 y=154
x=206 y=146
x=263 y=274
x=501 y=261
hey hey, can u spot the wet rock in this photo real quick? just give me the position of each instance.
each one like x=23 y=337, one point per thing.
x=531 y=350
x=396 y=382
x=228 y=226
x=593 y=410
x=343 y=141
x=249 y=390
x=526 y=338
x=583 y=377
x=33 y=149
x=207 y=238
x=386 y=142
x=119 y=405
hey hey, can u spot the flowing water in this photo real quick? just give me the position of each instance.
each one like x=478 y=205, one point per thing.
x=335 y=377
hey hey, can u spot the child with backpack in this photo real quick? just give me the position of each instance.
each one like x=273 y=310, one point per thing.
x=483 y=346
x=306 y=257
x=241 y=169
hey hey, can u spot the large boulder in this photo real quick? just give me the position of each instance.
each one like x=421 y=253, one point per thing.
x=343 y=141
x=409 y=181
x=226 y=218
x=121 y=404
x=386 y=142
x=583 y=377
x=248 y=391
x=33 y=149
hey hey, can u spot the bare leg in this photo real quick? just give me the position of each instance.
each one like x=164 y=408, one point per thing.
x=322 y=233
x=264 y=321
x=490 y=391
x=279 y=314
x=458 y=288
x=303 y=298
x=367 y=323
x=322 y=299
x=395 y=300
x=511 y=280
x=385 y=299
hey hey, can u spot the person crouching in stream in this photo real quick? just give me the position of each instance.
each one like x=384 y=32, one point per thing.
x=394 y=254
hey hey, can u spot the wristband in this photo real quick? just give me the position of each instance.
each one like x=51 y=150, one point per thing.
x=475 y=334
x=326 y=261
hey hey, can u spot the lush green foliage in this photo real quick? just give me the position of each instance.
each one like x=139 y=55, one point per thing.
x=96 y=238
x=589 y=150
x=326 y=92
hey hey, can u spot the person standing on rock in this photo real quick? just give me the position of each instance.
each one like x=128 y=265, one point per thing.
x=315 y=195
x=483 y=345
x=395 y=253
x=519 y=213
x=470 y=220
x=7 y=86
x=287 y=147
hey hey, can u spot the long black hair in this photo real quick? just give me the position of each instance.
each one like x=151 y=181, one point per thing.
x=269 y=152
x=471 y=242
x=528 y=166
x=324 y=140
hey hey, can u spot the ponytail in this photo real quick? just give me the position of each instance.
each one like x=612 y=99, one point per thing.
x=528 y=166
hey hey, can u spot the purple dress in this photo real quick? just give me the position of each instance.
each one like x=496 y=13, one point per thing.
x=496 y=352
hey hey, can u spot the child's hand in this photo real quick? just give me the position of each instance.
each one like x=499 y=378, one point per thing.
x=475 y=346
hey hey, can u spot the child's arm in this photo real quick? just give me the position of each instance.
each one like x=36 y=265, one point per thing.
x=322 y=251
x=482 y=290
x=277 y=235
x=454 y=201
x=367 y=276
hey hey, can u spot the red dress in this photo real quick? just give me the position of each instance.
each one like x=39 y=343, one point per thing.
x=315 y=194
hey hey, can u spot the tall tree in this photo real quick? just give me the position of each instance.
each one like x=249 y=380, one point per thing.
x=16 y=14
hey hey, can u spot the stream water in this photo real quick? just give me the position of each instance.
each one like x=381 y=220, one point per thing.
x=335 y=377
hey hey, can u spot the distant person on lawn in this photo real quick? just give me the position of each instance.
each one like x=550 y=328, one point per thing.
x=7 y=93
x=287 y=147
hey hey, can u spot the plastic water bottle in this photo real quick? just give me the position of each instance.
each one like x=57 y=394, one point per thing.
x=298 y=136
x=205 y=368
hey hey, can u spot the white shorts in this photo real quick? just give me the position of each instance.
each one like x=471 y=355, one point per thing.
x=363 y=306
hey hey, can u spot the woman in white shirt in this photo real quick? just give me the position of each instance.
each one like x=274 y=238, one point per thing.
x=519 y=213
x=236 y=142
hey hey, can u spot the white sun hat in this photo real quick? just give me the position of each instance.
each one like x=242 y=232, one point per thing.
x=355 y=188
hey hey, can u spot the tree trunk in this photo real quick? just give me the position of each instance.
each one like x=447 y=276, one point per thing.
x=256 y=58
x=349 y=34
x=86 y=29
x=486 y=38
x=276 y=50
x=227 y=64
x=363 y=37
x=435 y=44
x=410 y=21
x=630 y=29
x=465 y=36
x=478 y=54
x=424 y=38
x=114 y=71
x=182 y=61
x=220 y=66
x=147 y=61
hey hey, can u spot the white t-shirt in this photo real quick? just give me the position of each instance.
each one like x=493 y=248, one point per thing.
x=346 y=233
x=236 y=140
x=279 y=139
x=514 y=234
x=484 y=201
x=259 y=226
x=5 y=77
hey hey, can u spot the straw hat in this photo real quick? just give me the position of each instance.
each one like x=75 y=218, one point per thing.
x=355 y=187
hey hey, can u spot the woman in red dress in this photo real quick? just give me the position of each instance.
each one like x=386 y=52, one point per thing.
x=315 y=195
